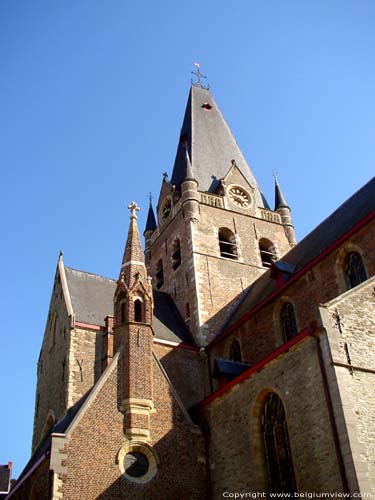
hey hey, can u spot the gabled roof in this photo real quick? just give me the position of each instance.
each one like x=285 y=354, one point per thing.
x=345 y=218
x=210 y=145
x=92 y=300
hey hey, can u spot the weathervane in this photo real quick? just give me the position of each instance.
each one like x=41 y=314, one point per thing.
x=133 y=207
x=274 y=173
x=199 y=75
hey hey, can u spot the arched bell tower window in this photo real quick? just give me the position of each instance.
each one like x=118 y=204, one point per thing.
x=276 y=446
x=176 y=254
x=159 y=274
x=227 y=243
x=235 y=351
x=267 y=252
x=138 y=313
x=354 y=270
x=288 y=321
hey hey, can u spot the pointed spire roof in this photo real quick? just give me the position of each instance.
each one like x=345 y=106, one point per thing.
x=132 y=261
x=187 y=172
x=280 y=200
x=151 y=221
x=210 y=145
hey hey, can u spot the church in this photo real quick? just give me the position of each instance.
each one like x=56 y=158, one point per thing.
x=225 y=358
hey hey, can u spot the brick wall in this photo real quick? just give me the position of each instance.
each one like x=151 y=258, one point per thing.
x=93 y=444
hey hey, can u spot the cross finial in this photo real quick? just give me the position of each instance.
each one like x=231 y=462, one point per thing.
x=150 y=197
x=199 y=76
x=133 y=207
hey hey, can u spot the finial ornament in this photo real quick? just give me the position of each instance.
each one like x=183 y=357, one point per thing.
x=199 y=76
x=133 y=207
x=150 y=198
x=165 y=176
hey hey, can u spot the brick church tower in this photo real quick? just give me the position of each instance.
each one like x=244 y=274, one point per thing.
x=215 y=233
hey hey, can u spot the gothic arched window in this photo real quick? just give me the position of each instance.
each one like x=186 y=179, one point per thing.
x=267 y=252
x=159 y=274
x=227 y=243
x=176 y=254
x=138 y=313
x=276 y=446
x=288 y=321
x=354 y=270
x=235 y=351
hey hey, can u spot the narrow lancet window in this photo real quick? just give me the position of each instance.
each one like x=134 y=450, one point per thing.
x=176 y=254
x=354 y=269
x=288 y=321
x=159 y=274
x=227 y=243
x=235 y=352
x=276 y=446
x=138 y=316
x=122 y=312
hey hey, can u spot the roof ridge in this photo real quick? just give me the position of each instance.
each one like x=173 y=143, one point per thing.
x=92 y=274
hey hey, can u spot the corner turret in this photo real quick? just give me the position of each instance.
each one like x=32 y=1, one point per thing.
x=283 y=209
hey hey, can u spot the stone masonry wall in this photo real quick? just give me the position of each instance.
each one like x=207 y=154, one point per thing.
x=237 y=461
x=53 y=364
x=262 y=333
x=352 y=340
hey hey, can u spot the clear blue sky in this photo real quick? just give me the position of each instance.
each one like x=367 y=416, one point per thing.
x=92 y=96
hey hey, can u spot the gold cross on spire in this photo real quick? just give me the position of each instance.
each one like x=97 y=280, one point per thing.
x=133 y=207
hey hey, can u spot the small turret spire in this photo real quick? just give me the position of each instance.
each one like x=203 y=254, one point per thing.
x=280 y=200
x=151 y=221
x=188 y=173
x=132 y=261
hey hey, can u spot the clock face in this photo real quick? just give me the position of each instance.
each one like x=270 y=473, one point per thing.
x=239 y=197
x=166 y=209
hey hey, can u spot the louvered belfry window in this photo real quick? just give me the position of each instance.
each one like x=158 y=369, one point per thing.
x=227 y=244
x=354 y=270
x=276 y=446
x=288 y=321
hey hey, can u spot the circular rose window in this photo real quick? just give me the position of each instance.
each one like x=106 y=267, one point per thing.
x=137 y=462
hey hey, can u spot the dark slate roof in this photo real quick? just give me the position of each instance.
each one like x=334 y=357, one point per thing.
x=280 y=200
x=167 y=321
x=350 y=213
x=229 y=368
x=151 y=221
x=91 y=296
x=92 y=301
x=5 y=472
x=60 y=427
x=210 y=144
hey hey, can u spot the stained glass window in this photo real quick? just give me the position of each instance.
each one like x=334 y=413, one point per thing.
x=354 y=270
x=276 y=446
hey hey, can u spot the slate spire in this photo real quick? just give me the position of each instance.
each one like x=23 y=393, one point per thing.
x=151 y=221
x=210 y=145
x=187 y=172
x=133 y=265
x=280 y=201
